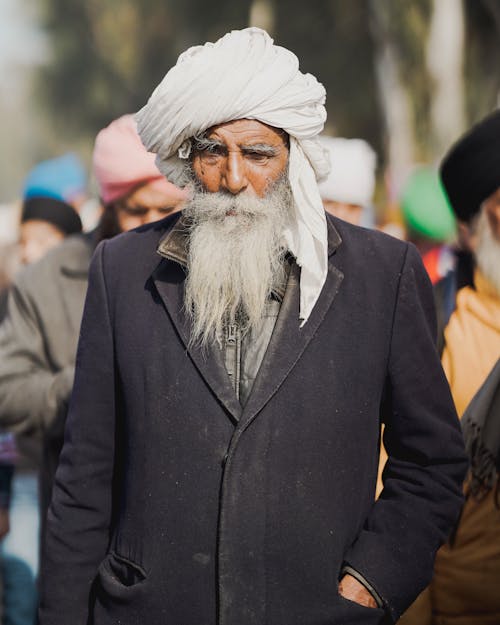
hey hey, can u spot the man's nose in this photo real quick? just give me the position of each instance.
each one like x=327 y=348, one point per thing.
x=235 y=179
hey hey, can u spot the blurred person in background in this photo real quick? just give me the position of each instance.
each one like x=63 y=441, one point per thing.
x=466 y=579
x=8 y=457
x=46 y=220
x=131 y=188
x=429 y=220
x=61 y=178
x=38 y=337
x=39 y=334
x=471 y=176
x=221 y=448
x=431 y=226
x=347 y=191
x=54 y=190
x=6 y=471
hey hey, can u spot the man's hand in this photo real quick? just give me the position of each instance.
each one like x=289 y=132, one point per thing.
x=4 y=523
x=351 y=589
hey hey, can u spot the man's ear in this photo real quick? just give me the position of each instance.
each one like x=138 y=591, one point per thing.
x=466 y=235
x=492 y=208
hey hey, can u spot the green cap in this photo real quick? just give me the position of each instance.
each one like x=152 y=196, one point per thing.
x=425 y=206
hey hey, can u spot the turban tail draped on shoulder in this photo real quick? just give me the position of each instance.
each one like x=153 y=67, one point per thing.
x=245 y=76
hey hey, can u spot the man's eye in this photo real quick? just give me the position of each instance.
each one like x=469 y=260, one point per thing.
x=258 y=157
x=210 y=158
x=212 y=150
x=213 y=155
x=218 y=150
x=134 y=211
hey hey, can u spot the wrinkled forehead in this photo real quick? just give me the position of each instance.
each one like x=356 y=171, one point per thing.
x=245 y=131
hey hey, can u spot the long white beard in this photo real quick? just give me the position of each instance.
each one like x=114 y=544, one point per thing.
x=488 y=252
x=235 y=258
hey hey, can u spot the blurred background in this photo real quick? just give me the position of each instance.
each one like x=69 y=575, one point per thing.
x=406 y=75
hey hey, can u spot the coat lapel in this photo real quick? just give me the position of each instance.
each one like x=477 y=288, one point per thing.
x=287 y=344
x=168 y=278
x=289 y=340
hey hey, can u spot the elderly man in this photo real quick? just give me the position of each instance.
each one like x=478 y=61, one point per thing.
x=234 y=369
x=471 y=177
x=467 y=571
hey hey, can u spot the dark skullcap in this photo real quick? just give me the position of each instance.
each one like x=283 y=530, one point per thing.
x=470 y=171
x=55 y=212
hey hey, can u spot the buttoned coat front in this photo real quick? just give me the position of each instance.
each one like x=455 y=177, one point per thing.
x=173 y=505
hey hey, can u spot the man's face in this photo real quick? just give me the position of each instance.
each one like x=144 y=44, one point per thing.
x=146 y=204
x=468 y=231
x=348 y=212
x=485 y=240
x=37 y=237
x=242 y=156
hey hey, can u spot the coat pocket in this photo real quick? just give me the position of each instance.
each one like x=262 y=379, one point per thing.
x=120 y=579
x=352 y=613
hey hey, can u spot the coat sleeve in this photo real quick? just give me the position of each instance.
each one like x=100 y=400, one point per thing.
x=79 y=518
x=32 y=395
x=423 y=477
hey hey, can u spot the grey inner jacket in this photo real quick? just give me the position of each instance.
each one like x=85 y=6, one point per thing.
x=242 y=352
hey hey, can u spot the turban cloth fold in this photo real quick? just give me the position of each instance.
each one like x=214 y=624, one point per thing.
x=245 y=76
x=471 y=170
x=121 y=163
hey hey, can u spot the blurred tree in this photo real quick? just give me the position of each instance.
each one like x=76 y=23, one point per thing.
x=394 y=70
x=395 y=55
x=108 y=55
x=445 y=64
x=483 y=57
x=333 y=41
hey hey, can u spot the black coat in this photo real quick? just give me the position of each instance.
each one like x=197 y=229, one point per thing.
x=173 y=506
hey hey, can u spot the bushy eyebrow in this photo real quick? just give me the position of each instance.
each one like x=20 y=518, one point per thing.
x=260 y=148
x=202 y=143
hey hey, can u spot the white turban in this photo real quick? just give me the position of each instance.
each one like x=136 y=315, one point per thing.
x=352 y=177
x=245 y=76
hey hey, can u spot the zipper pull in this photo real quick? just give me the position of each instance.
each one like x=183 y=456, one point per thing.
x=231 y=333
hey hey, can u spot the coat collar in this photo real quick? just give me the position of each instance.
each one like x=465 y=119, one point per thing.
x=287 y=343
x=174 y=243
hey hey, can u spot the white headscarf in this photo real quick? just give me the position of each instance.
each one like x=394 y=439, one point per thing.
x=352 y=178
x=245 y=76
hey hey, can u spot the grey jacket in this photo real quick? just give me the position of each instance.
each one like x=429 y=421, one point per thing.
x=38 y=340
